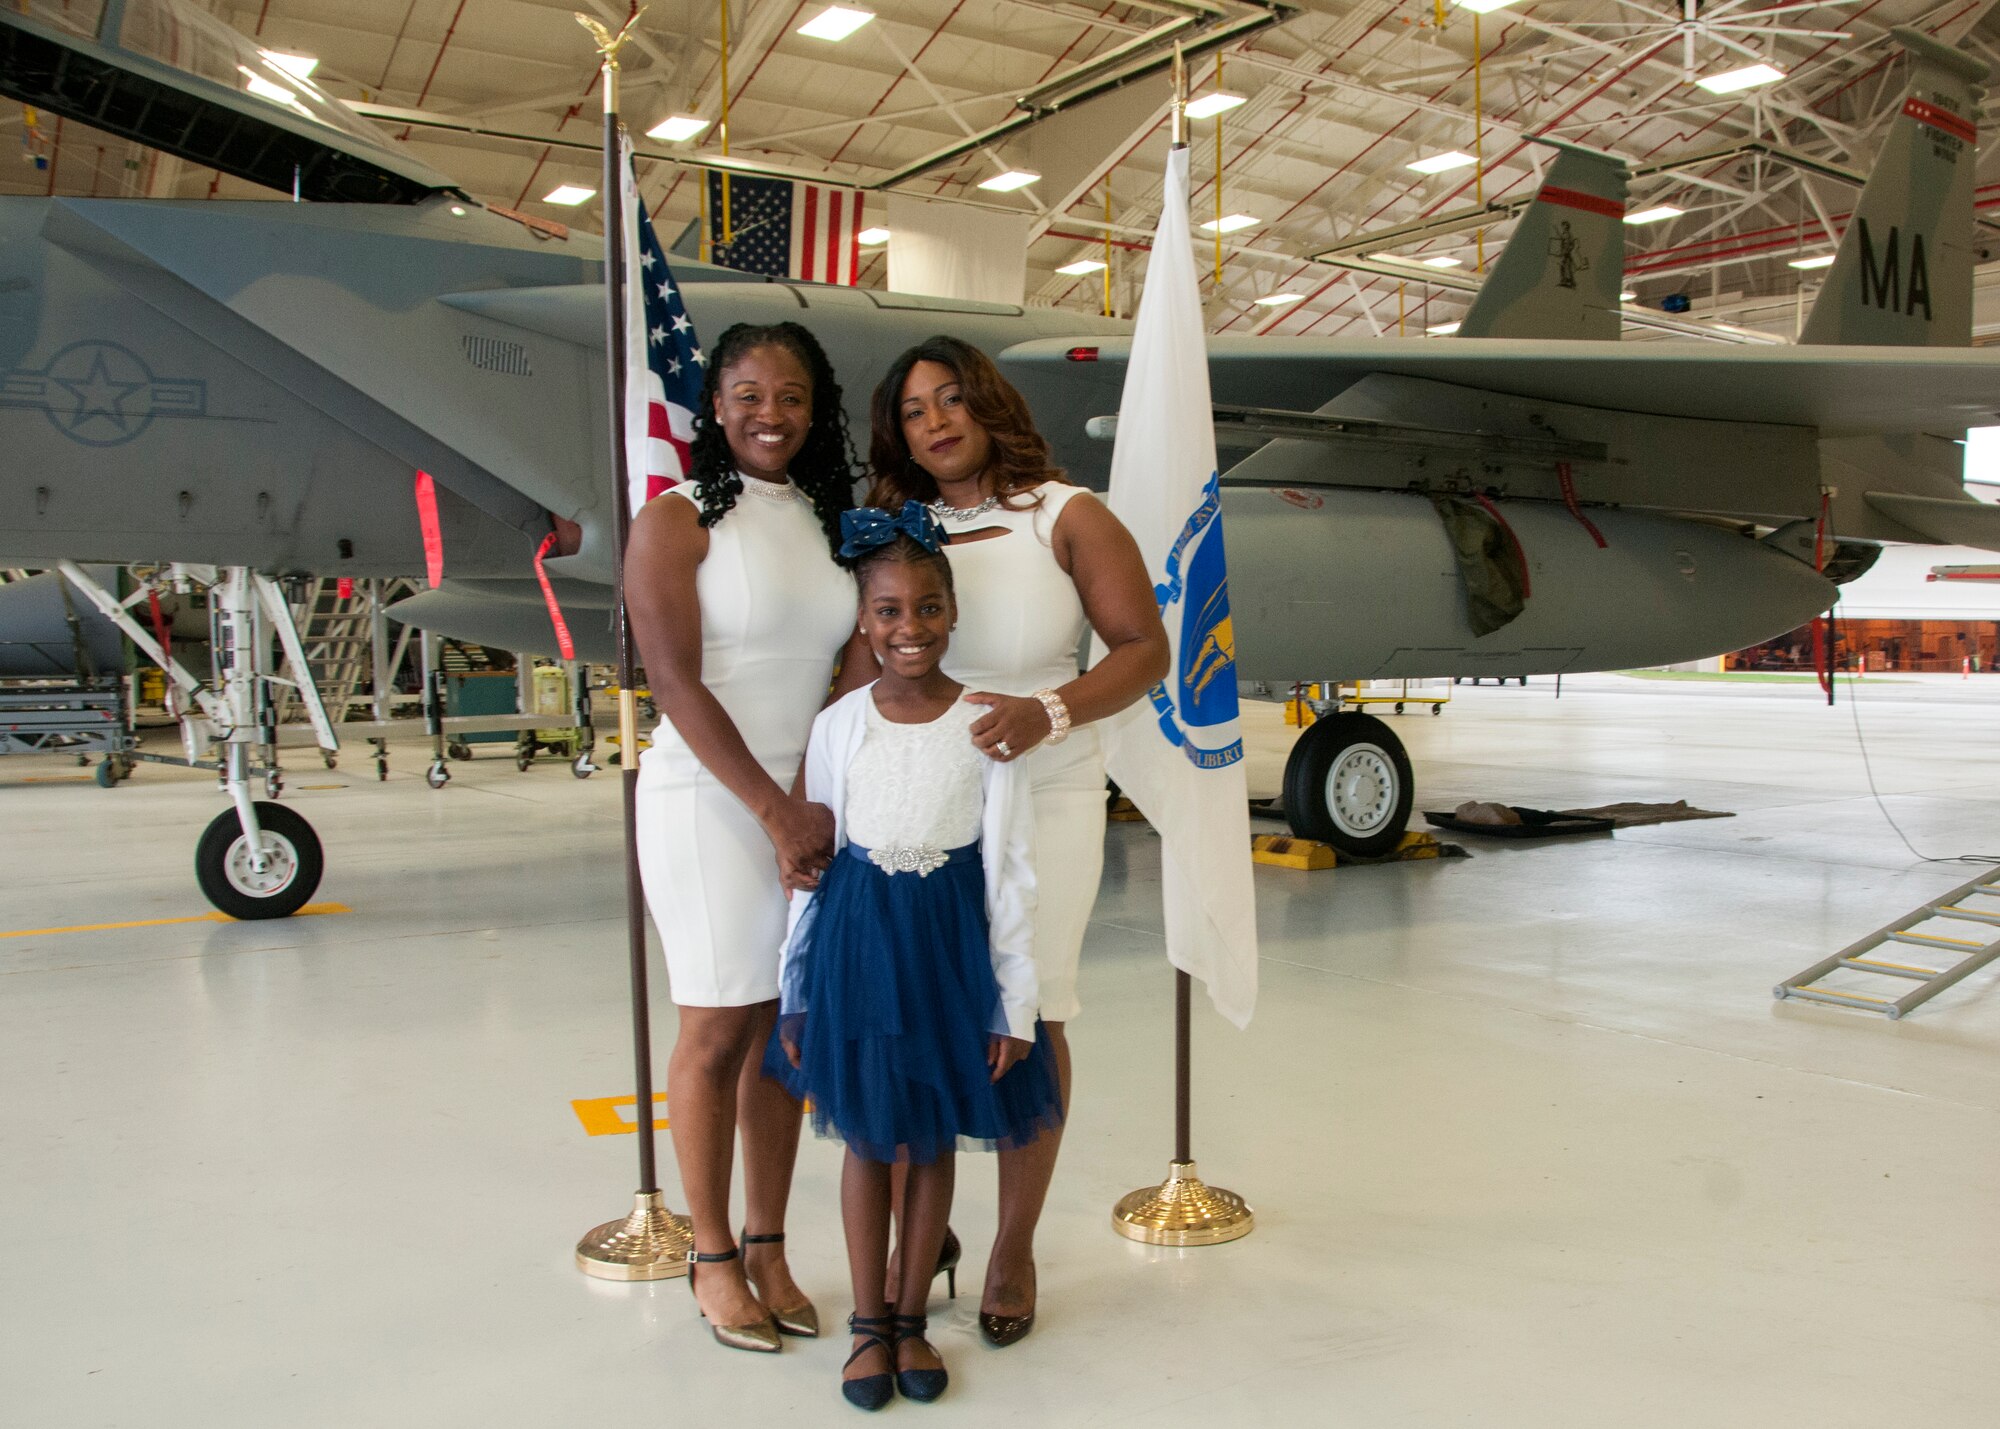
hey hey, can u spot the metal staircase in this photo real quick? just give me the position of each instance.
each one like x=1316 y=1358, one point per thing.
x=1976 y=903
x=347 y=644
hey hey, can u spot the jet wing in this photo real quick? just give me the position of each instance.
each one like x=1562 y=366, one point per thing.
x=171 y=76
x=1841 y=391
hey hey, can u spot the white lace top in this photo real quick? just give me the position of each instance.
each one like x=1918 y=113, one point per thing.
x=916 y=784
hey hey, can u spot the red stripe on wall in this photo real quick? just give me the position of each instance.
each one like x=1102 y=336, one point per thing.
x=854 y=243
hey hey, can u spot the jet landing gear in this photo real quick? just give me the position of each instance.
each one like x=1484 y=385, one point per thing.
x=1348 y=784
x=258 y=859
x=232 y=877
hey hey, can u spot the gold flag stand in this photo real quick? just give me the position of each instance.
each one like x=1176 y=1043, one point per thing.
x=1182 y=1210
x=651 y=1243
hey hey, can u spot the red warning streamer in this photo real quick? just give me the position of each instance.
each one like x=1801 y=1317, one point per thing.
x=1569 y=499
x=427 y=517
x=1822 y=651
x=565 y=645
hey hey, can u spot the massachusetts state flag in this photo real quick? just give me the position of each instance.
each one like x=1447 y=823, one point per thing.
x=663 y=361
x=784 y=229
x=1178 y=753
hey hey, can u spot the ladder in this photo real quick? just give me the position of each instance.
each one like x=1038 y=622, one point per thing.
x=1977 y=903
x=346 y=642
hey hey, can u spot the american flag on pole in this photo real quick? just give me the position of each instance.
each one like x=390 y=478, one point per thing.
x=663 y=361
x=784 y=229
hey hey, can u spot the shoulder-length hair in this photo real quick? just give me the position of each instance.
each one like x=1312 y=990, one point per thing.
x=824 y=467
x=1020 y=457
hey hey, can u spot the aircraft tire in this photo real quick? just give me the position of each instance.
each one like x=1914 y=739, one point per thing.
x=1348 y=784
x=222 y=866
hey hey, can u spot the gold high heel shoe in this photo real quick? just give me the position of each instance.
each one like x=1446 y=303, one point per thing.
x=760 y=1336
x=801 y=1319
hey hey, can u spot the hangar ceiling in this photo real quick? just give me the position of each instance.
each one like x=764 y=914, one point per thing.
x=1341 y=97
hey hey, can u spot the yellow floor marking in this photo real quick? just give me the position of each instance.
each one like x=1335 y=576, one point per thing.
x=57 y=778
x=310 y=910
x=323 y=786
x=600 y=1117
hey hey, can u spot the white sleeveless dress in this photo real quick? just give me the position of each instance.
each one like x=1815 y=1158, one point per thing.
x=1019 y=625
x=775 y=610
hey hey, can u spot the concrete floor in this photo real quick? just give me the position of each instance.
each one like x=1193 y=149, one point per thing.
x=1529 y=1142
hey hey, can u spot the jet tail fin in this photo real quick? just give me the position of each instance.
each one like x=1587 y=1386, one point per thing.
x=1560 y=272
x=1902 y=276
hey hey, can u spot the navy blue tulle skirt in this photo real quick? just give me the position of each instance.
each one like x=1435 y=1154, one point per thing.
x=895 y=980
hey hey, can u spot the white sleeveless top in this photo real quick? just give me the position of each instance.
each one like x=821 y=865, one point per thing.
x=775 y=611
x=1019 y=616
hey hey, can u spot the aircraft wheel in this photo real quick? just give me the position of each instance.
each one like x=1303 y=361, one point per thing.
x=292 y=866
x=1348 y=784
x=329 y=758
x=437 y=776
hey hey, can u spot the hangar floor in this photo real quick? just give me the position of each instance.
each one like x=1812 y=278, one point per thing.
x=1529 y=1142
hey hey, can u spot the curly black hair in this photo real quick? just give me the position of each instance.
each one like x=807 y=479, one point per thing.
x=824 y=467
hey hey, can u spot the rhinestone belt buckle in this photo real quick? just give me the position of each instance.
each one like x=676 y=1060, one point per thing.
x=921 y=859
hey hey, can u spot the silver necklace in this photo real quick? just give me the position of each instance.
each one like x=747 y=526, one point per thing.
x=945 y=511
x=768 y=490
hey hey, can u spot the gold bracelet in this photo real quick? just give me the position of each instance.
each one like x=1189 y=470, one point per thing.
x=1058 y=713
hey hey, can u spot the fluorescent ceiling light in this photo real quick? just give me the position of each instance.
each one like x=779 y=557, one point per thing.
x=872 y=237
x=1655 y=214
x=836 y=22
x=1441 y=163
x=1818 y=260
x=297 y=66
x=1483 y=7
x=1749 y=77
x=263 y=88
x=1442 y=330
x=1444 y=260
x=1212 y=104
x=1272 y=300
x=1013 y=179
x=677 y=128
x=568 y=195
x=1081 y=266
x=1232 y=224
x=1628 y=297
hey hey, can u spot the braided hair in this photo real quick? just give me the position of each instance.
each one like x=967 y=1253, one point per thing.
x=824 y=467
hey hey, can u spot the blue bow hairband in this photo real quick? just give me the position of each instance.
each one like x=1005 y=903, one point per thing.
x=869 y=528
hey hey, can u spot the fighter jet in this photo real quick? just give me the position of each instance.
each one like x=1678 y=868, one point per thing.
x=258 y=384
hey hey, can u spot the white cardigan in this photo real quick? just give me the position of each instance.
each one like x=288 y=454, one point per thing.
x=1006 y=849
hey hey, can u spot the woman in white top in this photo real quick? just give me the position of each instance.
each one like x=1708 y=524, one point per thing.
x=740 y=614
x=1036 y=562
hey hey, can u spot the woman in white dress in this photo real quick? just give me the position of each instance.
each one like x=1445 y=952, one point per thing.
x=740 y=615
x=1036 y=562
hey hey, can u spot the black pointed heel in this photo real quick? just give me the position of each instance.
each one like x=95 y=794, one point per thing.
x=922 y=1385
x=947 y=1265
x=871 y=1391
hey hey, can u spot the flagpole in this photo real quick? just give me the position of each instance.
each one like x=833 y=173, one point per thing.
x=1182 y=1210
x=650 y=1243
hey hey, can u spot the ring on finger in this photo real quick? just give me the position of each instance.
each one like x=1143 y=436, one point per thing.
x=1005 y=751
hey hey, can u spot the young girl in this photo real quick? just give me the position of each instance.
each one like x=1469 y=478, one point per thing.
x=908 y=986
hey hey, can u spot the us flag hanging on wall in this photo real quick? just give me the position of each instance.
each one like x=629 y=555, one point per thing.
x=784 y=229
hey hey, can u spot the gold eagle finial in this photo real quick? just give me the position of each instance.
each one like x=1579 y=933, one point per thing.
x=608 y=44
